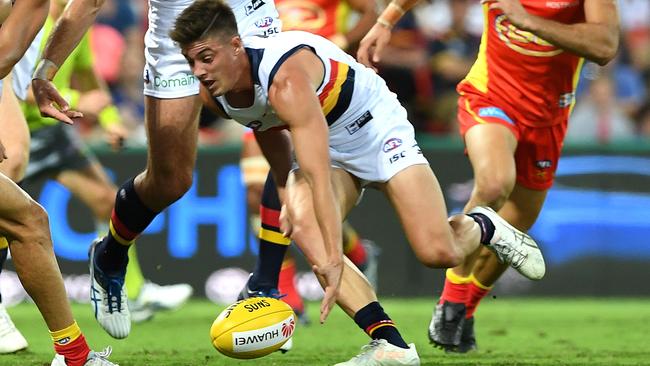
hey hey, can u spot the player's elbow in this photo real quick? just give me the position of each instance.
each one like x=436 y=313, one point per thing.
x=605 y=56
x=606 y=51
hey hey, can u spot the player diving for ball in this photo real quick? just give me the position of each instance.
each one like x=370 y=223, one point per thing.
x=348 y=131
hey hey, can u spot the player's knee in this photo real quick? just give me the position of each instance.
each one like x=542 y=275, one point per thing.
x=171 y=185
x=440 y=255
x=35 y=227
x=494 y=191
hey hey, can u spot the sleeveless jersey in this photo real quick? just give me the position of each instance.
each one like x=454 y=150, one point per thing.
x=531 y=79
x=347 y=94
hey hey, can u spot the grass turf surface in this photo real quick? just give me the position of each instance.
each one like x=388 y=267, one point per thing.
x=509 y=332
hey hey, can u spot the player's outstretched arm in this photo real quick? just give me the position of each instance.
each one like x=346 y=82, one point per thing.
x=293 y=97
x=373 y=44
x=19 y=30
x=596 y=39
x=77 y=17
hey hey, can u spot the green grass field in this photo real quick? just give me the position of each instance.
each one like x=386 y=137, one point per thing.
x=510 y=332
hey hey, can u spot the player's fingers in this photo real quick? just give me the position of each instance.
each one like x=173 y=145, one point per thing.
x=376 y=55
x=50 y=111
x=327 y=303
x=73 y=114
x=362 y=54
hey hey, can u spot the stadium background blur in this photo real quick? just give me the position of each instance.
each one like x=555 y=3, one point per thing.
x=594 y=228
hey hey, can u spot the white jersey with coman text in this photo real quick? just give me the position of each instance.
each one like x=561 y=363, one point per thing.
x=369 y=133
x=166 y=72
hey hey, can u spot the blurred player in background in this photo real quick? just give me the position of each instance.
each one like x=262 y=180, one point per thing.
x=58 y=153
x=348 y=131
x=172 y=106
x=24 y=225
x=332 y=20
x=513 y=110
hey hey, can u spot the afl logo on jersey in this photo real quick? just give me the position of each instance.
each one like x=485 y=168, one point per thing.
x=392 y=144
x=264 y=22
x=523 y=42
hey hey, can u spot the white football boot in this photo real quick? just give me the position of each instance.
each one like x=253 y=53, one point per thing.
x=94 y=359
x=11 y=340
x=108 y=300
x=514 y=247
x=381 y=353
x=154 y=297
x=287 y=346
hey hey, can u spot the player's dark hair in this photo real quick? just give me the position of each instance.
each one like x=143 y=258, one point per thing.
x=202 y=19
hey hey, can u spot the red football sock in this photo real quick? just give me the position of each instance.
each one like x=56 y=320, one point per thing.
x=456 y=288
x=477 y=291
x=353 y=247
x=71 y=344
x=287 y=286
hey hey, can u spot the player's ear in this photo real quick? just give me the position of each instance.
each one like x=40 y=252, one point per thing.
x=237 y=44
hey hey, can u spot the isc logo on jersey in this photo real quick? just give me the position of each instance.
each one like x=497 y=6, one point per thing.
x=253 y=327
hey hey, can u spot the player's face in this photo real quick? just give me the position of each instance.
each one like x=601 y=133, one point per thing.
x=213 y=62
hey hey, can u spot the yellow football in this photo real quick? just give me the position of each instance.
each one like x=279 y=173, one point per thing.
x=253 y=327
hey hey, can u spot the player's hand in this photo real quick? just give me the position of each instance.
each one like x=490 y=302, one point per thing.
x=330 y=275
x=51 y=103
x=372 y=45
x=512 y=9
x=115 y=135
x=285 y=223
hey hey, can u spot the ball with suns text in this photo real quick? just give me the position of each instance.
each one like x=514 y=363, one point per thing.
x=253 y=327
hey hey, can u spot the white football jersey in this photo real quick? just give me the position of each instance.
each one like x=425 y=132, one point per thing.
x=348 y=92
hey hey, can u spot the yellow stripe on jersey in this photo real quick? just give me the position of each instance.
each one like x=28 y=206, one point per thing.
x=342 y=17
x=478 y=75
x=576 y=78
x=332 y=91
x=3 y=242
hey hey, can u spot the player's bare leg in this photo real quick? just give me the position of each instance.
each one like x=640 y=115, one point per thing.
x=93 y=187
x=307 y=234
x=172 y=127
x=491 y=149
x=15 y=137
x=25 y=224
x=356 y=296
x=436 y=240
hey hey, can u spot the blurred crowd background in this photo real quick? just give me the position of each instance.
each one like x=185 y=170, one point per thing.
x=432 y=49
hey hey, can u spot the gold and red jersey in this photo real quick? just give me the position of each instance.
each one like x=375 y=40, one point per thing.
x=532 y=80
x=323 y=17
